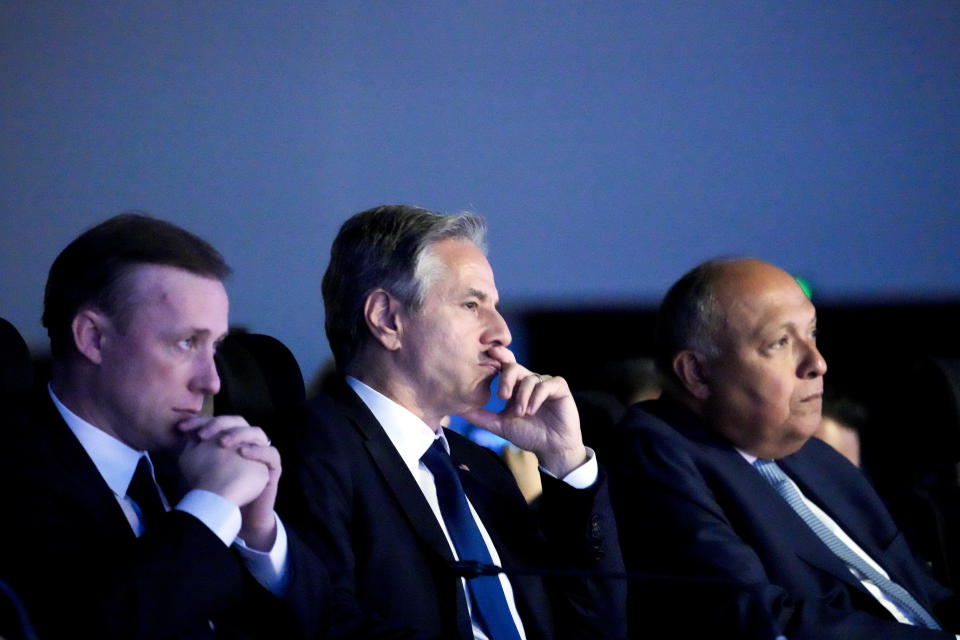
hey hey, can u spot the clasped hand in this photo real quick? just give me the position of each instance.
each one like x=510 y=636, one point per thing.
x=229 y=457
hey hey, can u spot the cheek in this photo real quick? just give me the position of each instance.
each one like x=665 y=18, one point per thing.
x=157 y=378
x=770 y=393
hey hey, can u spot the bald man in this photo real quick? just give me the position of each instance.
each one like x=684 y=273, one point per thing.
x=758 y=529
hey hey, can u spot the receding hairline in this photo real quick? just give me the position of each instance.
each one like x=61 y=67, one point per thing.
x=747 y=281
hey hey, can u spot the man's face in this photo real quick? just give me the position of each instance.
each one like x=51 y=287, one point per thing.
x=766 y=385
x=155 y=372
x=445 y=353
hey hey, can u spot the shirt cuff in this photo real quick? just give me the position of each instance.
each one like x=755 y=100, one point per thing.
x=268 y=567
x=220 y=515
x=584 y=476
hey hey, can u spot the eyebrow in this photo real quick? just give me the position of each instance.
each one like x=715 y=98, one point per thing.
x=482 y=296
x=477 y=293
x=794 y=325
x=202 y=333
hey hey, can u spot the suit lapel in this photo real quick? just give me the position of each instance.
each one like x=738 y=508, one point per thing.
x=402 y=485
x=805 y=543
x=770 y=505
x=816 y=485
x=78 y=476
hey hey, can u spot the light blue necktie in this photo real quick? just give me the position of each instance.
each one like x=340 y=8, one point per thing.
x=489 y=602
x=904 y=601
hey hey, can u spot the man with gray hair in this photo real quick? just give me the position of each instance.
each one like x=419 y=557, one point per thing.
x=757 y=528
x=420 y=516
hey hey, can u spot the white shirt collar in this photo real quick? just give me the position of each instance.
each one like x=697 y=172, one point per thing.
x=115 y=461
x=409 y=434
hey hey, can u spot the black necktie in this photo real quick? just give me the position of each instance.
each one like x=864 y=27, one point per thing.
x=143 y=491
x=489 y=600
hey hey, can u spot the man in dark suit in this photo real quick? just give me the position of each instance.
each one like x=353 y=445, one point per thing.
x=135 y=308
x=411 y=316
x=757 y=528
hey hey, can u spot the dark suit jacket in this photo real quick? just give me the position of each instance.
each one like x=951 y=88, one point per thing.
x=690 y=506
x=70 y=553
x=347 y=485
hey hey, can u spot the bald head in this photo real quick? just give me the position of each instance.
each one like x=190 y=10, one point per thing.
x=742 y=352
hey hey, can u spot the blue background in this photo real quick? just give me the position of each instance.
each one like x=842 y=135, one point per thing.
x=611 y=145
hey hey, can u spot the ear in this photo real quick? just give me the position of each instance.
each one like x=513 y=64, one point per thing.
x=693 y=370
x=88 y=328
x=382 y=313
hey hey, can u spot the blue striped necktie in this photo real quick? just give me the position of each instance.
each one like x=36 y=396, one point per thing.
x=488 y=601
x=773 y=474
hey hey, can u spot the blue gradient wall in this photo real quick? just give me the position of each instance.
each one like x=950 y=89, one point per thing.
x=610 y=145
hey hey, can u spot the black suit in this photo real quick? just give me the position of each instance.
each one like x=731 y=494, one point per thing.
x=689 y=505
x=72 y=556
x=347 y=485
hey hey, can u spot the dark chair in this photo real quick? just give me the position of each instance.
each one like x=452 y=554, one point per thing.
x=14 y=622
x=922 y=488
x=16 y=373
x=259 y=380
x=16 y=381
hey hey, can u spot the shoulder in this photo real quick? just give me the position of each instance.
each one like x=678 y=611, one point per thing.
x=327 y=420
x=662 y=450
x=659 y=428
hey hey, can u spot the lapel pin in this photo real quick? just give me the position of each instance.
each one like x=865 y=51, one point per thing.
x=463 y=467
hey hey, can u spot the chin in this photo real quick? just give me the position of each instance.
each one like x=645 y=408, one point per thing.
x=481 y=396
x=172 y=441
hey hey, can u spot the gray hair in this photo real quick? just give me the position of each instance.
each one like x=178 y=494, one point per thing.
x=389 y=248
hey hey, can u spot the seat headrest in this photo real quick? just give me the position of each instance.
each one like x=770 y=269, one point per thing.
x=16 y=366
x=259 y=378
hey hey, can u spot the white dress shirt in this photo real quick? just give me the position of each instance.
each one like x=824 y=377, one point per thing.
x=412 y=437
x=117 y=463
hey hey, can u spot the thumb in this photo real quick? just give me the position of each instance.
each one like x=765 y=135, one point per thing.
x=485 y=419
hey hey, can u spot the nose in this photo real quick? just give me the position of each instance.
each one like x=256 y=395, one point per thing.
x=497 y=332
x=205 y=379
x=812 y=364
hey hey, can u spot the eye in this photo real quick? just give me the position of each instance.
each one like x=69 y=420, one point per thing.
x=188 y=343
x=471 y=306
x=781 y=342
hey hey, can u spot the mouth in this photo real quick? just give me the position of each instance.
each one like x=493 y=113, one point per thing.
x=494 y=365
x=185 y=414
x=812 y=397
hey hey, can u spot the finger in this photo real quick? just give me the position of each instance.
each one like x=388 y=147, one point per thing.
x=219 y=424
x=501 y=354
x=485 y=419
x=265 y=454
x=523 y=394
x=510 y=374
x=243 y=435
x=547 y=387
